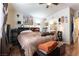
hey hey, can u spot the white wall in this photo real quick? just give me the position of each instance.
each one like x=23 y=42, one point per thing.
x=66 y=13
x=77 y=13
x=12 y=20
x=12 y=17
x=20 y=18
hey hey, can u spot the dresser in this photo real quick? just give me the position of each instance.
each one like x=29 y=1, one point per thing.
x=14 y=35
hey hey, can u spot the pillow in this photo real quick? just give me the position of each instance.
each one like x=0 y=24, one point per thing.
x=44 y=33
x=47 y=33
x=53 y=32
x=26 y=31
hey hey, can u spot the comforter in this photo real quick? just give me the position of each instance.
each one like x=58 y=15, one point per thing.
x=30 y=40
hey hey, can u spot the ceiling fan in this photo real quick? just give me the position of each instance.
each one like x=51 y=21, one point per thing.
x=48 y=4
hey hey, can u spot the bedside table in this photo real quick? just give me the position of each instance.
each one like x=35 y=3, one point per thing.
x=14 y=35
x=61 y=48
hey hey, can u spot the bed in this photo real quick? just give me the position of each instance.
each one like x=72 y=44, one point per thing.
x=30 y=40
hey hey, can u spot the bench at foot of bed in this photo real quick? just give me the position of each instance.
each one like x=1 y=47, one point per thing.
x=59 y=50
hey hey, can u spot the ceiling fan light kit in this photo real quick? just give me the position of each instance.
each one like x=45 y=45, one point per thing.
x=48 y=4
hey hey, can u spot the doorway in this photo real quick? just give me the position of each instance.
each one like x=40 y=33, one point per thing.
x=76 y=29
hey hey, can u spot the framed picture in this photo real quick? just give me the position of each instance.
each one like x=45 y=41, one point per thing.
x=28 y=20
x=66 y=19
x=18 y=22
x=62 y=19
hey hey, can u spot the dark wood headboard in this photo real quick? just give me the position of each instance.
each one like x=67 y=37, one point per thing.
x=15 y=32
x=27 y=28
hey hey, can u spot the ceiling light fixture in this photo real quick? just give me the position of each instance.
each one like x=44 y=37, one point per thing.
x=48 y=3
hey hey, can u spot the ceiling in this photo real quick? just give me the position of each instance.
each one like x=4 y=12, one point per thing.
x=40 y=11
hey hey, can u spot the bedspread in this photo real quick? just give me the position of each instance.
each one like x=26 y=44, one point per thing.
x=30 y=40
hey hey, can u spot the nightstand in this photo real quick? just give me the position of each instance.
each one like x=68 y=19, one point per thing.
x=61 y=48
x=14 y=35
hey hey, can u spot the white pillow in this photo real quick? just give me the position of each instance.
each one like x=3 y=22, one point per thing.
x=26 y=31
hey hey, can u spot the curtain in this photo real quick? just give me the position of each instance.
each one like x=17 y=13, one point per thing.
x=1 y=23
x=3 y=18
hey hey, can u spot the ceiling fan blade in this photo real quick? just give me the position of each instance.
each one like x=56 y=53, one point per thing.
x=55 y=3
x=47 y=6
x=41 y=3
